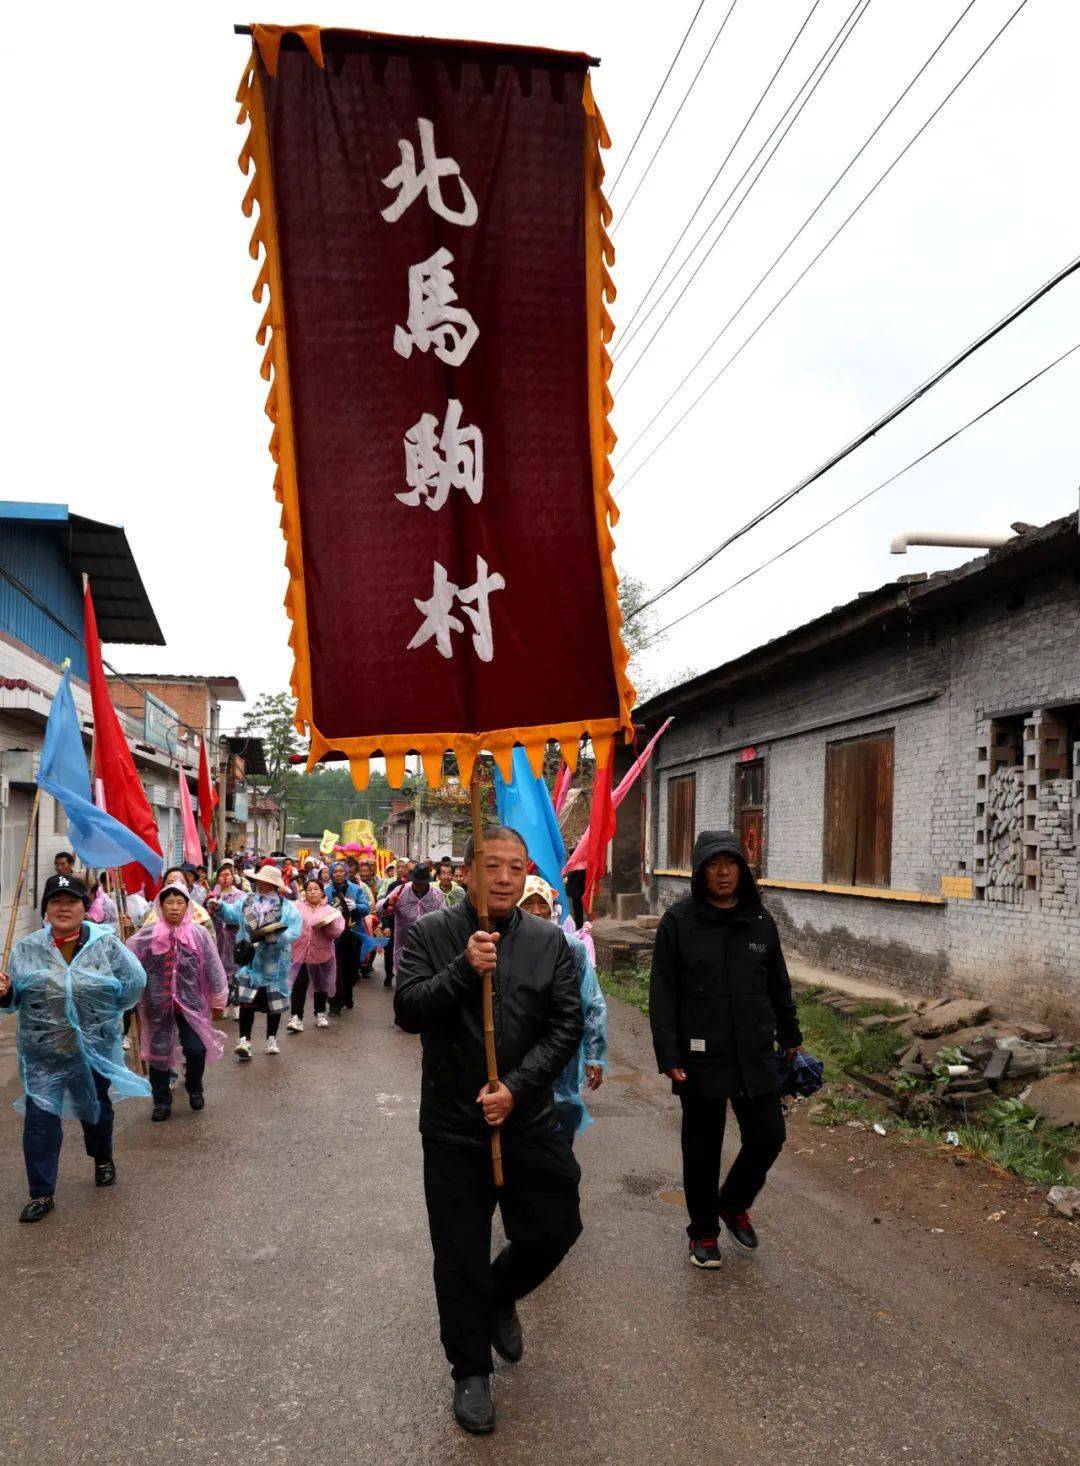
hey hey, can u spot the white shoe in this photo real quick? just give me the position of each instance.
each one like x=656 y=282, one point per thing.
x=294 y=1025
x=321 y=1020
x=243 y=1049
x=272 y=1046
x=125 y=1043
x=233 y=1012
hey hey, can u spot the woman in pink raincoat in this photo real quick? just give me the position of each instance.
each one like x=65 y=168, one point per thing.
x=186 y=988
x=226 y=889
x=313 y=956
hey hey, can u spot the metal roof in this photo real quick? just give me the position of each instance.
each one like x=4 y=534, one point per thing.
x=1024 y=558
x=251 y=750
x=224 y=689
x=101 y=551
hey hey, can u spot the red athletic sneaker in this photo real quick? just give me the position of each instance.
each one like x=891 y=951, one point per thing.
x=738 y=1224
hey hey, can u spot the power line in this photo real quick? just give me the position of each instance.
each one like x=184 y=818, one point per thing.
x=678 y=110
x=656 y=98
x=795 y=544
x=832 y=238
x=842 y=35
x=875 y=427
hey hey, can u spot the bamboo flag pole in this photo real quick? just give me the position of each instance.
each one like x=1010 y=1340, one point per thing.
x=13 y=922
x=485 y=925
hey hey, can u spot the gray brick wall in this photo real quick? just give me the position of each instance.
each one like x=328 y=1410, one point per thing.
x=1004 y=655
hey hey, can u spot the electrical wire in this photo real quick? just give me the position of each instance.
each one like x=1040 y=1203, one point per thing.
x=656 y=98
x=678 y=110
x=828 y=243
x=875 y=427
x=855 y=503
x=842 y=35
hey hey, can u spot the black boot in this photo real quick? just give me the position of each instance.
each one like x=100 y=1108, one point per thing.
x=473 y=1407
x=161 y=1112
x=104 y=1171
x=36 y=1208
x=506 y=1334
x=197 y=1101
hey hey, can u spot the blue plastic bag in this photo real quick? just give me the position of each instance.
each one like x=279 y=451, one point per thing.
x=800 y=1075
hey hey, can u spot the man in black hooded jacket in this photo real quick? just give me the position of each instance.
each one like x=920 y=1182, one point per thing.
x=719 y=1003
x=538 y=1026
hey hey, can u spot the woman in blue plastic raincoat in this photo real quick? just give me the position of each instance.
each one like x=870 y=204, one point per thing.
x=586 y=1068
x=270 y=923
x=70 y=984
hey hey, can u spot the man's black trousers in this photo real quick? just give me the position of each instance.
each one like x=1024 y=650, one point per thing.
x=761 y=1128
x=541 y=1218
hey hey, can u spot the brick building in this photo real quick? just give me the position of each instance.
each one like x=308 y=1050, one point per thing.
x=905 y=772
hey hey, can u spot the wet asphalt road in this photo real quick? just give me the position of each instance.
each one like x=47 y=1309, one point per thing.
x=258 y=1286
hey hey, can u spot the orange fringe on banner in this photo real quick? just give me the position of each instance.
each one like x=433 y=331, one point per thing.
x=599 y=292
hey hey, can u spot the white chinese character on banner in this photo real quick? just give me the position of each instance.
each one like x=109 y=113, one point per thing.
x=434 y=319
x=437 y=462
x=410 y=184
x=439 y=623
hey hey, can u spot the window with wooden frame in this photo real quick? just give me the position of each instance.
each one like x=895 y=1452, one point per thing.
x=858 y=811
x=681 y=810
x=750 y=811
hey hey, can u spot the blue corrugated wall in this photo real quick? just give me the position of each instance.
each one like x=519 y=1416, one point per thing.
x=35 y=555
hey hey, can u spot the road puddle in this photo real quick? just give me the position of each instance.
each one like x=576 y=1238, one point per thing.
x=673 y=1196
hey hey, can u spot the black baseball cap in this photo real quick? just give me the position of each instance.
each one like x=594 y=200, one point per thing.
x=64 y=886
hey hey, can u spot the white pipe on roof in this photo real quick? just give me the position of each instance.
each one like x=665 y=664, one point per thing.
x=963 y=541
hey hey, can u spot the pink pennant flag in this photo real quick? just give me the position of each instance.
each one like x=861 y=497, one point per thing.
x=580 y=857
x=192 y=846
x=562 y=788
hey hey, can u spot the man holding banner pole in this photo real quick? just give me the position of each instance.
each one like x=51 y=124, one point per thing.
x=447 y=957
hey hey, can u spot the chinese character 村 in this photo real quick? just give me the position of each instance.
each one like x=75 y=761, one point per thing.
x=410 y=184
x=437 y=462
x=434 y=319
x=473 y=603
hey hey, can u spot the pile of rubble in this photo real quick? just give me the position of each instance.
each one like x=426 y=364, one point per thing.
x=984 y=1059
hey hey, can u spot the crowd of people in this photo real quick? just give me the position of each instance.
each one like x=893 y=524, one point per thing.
x=262 y=937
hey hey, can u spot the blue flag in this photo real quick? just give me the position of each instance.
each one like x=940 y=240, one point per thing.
x=97 y=839
x=525 y=805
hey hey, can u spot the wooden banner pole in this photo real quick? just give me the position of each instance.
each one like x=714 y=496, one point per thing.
x=485 y=925
x=10 y=941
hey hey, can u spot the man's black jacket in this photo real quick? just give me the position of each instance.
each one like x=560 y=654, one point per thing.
x=720 y=996
x=538 y=1021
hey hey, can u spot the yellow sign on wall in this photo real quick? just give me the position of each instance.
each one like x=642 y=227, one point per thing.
x=958 y=888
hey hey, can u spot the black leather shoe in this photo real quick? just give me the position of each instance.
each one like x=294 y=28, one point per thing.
x=506 y=1334
x=738 y=1224
x=36 y=1208
x=474 y=1410
x=161 y=1112
x=104 y=1173
x=197 y=1101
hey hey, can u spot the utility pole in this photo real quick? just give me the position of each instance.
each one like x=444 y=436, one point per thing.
x=223 y=792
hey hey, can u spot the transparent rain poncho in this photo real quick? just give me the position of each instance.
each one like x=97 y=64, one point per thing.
x=314 y=947
x=225 y=934
x=271 y=966
x=183 y=971
x=70 y=1020
x=568 y=1089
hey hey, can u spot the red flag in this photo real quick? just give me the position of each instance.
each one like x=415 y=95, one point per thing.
x=580 y=858
x=125 y=797
x=601 y=830
x=208 y=798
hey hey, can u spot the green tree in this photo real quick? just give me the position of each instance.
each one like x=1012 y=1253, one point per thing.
x=270 y=718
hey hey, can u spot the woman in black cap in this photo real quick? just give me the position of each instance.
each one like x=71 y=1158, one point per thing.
x=70 y=983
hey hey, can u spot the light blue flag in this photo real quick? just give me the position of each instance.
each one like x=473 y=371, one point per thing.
x=97 y=839
x=525 y=805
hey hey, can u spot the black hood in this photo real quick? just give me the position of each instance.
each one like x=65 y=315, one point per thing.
x=723 y=842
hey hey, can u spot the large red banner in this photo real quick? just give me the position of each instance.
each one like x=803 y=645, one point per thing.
x=432 y=221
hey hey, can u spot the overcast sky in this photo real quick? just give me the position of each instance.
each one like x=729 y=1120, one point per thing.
x=132 y=386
